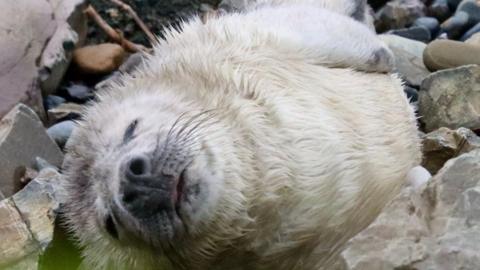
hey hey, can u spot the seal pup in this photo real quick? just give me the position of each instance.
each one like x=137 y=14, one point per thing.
x=236 y=146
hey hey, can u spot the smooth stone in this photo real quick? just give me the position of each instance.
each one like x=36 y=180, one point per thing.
x=430 y=23
x=79 y=92
x=99 y=59
x=52 y=101
x=451 y=98
x=472 y=31
x=474 y=40
x=60 y=132
x=453 y=4
x=456 y=25
x=439 y=9
x=408 y=58
x=398 y=14
x=418 y=33
x=444 y=54
x=472 y=8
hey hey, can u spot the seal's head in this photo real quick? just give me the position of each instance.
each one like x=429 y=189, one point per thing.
x=150 y=171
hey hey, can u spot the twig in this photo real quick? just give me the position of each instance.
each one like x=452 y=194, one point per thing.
x=137 y=19
x=115 y=36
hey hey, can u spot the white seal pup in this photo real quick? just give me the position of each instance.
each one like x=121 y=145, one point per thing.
x=239 y=146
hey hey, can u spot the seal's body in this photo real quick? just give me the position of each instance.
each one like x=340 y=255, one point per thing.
x=234 y=147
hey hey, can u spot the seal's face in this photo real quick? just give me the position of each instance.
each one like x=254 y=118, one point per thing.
x=143 y=172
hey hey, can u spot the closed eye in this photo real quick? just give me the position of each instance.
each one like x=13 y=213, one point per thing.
x=129 y=132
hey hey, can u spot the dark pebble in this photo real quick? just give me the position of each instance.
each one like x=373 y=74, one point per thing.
x=52 y=101
x=430 y=23
x=456 y=25
x=440 y=10
x=79 y=92
x=471 y=32
x=472 y=8
x=453 y=4
x=419 y=33
x=376 y=4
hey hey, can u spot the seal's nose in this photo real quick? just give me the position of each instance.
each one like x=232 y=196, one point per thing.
x=145 y=193
x=138 y=167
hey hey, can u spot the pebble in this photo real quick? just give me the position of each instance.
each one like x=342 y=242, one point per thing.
x=439 y=9
x=456 y=25
x=444 y=54
x=60 y=132
x=430 y=23
x=474 y=40
x=418 y=33
x=79 y=92
x=99 y=59
x=398 y=14
x=471 y=32
x=472 y=8
x=52 y=101
x=453 y=4
x=408 y=58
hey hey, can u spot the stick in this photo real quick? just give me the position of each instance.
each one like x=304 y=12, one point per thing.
x=115 y=36
x=137 y=19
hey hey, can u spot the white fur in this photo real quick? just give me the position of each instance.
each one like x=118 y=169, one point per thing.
x=303 y=156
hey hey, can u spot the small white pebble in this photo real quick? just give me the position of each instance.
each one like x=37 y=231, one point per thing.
x=418 y=176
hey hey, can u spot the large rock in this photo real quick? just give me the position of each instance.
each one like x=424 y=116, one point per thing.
x=436 y=227
x=21 y=43
x=22 y=139
x=27 y=221
x=26 y=28
x=443 y=144
x=451 y=98
x=70 y=32
x=408 y=58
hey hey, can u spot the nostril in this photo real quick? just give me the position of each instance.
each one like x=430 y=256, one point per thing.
x=138 y=166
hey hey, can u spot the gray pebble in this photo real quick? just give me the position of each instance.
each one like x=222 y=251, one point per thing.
x=60 y=132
